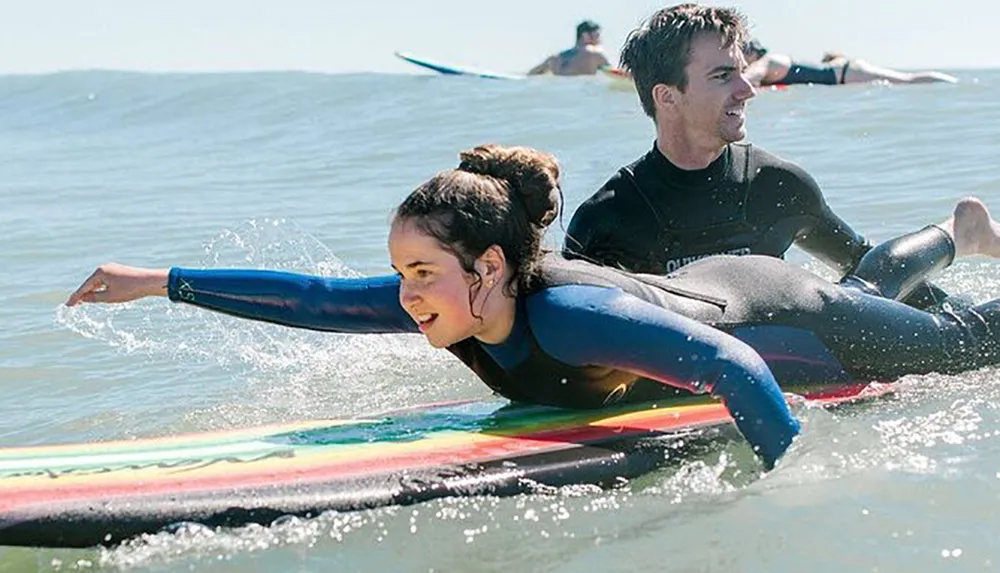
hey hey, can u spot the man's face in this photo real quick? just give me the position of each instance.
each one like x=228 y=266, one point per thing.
x=712 y=107
x=591 y=38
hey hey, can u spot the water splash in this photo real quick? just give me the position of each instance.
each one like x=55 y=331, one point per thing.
x=283 y=369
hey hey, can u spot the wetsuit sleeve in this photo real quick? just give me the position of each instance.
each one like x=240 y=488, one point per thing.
x=586 y=325
x=355 y=305
x=834 y=242
x=825 y=235
x=596 y=233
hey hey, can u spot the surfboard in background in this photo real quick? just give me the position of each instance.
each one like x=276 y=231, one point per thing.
x=455 y=69
x=617 y=79
x=82 y=495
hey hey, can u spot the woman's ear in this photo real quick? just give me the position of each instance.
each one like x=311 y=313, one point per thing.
x=493 y=266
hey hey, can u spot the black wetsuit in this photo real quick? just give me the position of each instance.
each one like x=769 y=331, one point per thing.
x=654 y=217
x=800 y=73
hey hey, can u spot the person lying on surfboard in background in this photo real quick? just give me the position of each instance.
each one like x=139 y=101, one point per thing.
x=701 y=189
x=471 y=275
x=766 y=68
x=583 y=59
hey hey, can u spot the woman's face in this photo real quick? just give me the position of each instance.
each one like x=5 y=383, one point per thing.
x=435 y=289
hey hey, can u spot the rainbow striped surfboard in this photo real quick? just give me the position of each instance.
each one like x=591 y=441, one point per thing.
x=101 y=493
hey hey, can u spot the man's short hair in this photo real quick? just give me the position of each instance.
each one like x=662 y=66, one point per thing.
x=586 y=27
x=659 y=51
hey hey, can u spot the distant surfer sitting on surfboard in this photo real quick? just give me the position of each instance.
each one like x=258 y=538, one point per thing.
x=701 y=190
x=472 y=277
x=583 y=59
x=767 y=68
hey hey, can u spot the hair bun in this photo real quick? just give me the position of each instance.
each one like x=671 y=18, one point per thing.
x=531 y=175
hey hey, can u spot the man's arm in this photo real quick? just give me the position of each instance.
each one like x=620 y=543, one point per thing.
x=824 y=235
x=543 y=68
x=831 y=240
x=600 y=60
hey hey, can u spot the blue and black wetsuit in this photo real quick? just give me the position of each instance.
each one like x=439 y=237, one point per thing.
x=591 y=336
x=573 y=344
x=654 y=217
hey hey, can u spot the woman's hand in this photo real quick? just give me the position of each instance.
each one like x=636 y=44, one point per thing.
x=120 y=283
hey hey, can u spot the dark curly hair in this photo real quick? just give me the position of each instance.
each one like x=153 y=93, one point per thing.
x=504 y=196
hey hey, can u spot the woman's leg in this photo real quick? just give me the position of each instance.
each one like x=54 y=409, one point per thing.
x=809 y=329
x=860 y=71
x=898 y=268
x=873 y=337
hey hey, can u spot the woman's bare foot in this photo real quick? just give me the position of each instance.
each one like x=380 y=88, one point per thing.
x=975 y=232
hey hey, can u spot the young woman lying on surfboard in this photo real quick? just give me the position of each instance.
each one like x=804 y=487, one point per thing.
x=766 y=68
x=472 y=277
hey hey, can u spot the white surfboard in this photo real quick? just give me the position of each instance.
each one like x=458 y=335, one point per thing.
x=452 y=69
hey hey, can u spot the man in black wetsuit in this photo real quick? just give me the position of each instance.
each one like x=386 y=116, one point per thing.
x=699 y=192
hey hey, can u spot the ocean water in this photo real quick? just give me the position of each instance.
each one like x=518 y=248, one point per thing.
x=301 y=171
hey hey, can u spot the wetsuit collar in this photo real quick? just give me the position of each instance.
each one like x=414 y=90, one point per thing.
x=517 y=348
x=697 y=178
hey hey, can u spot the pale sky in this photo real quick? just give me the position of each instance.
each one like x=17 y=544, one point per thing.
x=509 y=35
